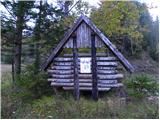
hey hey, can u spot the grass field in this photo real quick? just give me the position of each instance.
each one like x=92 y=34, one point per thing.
x=21 y=105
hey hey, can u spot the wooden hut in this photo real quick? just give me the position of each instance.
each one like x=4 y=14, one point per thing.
x=94 y=70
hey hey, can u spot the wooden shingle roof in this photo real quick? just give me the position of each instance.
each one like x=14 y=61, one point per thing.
x=112 y=47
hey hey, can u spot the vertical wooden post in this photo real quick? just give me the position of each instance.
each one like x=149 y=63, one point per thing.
x=94 y=69
x=75 y=60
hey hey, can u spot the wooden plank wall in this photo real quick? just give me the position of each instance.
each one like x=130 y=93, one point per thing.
x=84 y=38
x=62 y=73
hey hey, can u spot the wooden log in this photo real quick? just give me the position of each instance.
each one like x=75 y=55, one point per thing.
x=94 y=69
x=116 y=76
x=106 y=67
x=87 y=88
x=88 y=81
x=63 y=63
x=106 y=59
x=82 y=80
x=62 y=84
x=62 y=76
x=85 y=80
x=69 y=80
x=75 y=57
x=107 y=64
x=61 y=80
x=111 y=85
x=63 y=59
x=85 y=76
x=107 y=71
x=87 y=84
x=70 y=59
x=60 y=71
x=107 y=81
x=62 y=67
x=86 y=55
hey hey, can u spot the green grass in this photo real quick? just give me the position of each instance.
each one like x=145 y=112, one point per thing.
x=63 y=105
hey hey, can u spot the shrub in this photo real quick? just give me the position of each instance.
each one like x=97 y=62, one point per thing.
x=32 y=85
x=7 y=59
x=154 y=53
x=141 y=85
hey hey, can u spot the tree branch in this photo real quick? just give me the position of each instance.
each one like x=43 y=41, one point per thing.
x=8 y=10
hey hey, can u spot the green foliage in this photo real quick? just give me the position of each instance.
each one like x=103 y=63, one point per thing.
x=119 y=20
x=154 y=53
x=32 y=85
x=81 y=7
x=141 y=85
x=7 y=59
x=154 y=41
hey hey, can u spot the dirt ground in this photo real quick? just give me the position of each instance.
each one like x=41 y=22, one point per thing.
x=145 y=64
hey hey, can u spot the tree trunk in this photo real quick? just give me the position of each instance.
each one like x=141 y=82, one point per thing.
x=18 y=45
x=38 y=38
x=66 y=7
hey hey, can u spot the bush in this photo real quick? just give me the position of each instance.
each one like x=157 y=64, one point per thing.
x=7 y=59
x=141 y=85
x=154 y=53
x=31 y=85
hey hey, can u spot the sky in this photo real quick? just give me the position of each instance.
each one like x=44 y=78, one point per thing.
x=154 y=5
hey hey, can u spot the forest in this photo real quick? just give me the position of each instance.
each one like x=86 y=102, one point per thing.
x=30 y=30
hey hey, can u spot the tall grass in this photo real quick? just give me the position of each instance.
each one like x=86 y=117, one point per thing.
x=53 y=107
x=63 y=105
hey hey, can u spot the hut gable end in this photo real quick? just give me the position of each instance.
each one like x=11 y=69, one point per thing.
x=83 y=28
x=84 y=37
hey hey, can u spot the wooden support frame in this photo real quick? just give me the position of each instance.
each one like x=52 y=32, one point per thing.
x=75 y=62
x=94 y=68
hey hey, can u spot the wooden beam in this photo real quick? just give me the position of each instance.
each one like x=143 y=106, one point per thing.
x=88 y=76
x=107 y=64
x=63 y=59
x=114 y=76
x=70 y=58
x=87 y=88
x=60 y=72
x=62 y=67
x=63 y=63
x=107 y=71
x=106 y=67
x=94 y=69
x=81 y=82
x=107 y=59
x=62 y=76
x=75 y=58
x=71 y=84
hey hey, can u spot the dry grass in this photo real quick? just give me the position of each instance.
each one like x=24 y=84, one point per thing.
x=6 y=68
